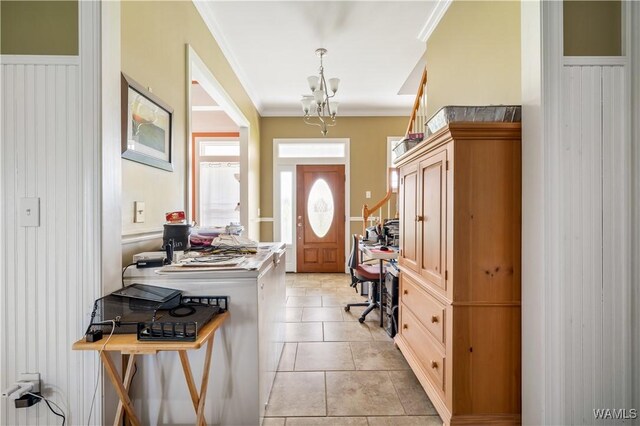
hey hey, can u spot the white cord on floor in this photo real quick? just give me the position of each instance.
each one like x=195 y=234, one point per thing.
x=95 y=389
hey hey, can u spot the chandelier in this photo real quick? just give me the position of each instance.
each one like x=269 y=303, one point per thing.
x=317 y=109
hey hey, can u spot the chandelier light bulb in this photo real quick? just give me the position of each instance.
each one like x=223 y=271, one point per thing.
x=333 y=84
x=306 y=103
x=334 y=108
x=318 y=95
x=313 y=82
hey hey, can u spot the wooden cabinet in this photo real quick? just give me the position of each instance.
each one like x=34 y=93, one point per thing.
x=460 y=215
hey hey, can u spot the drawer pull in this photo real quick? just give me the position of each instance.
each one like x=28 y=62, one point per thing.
x=405 y=292
x=405 y=326
x=434 y=319
x=434 y=364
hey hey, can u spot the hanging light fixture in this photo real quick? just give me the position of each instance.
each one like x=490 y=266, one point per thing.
x=317 y=109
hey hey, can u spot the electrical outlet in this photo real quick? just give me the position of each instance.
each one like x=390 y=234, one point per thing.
x=33 y=378
x=138 y=212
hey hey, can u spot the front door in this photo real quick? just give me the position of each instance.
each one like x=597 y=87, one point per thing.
x=320 y=218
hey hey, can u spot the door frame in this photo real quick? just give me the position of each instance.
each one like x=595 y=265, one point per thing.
x=289 y=164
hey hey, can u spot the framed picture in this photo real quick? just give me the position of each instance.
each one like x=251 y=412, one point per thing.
x=146 y=126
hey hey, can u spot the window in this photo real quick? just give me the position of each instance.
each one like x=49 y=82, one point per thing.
x=286 y=207
x=218 y=182
x=316 y=150
x=391 y=158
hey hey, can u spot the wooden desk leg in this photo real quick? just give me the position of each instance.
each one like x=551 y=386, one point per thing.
x=128 y=376
x=110 y=368
x=205 y=381
x=191 y=384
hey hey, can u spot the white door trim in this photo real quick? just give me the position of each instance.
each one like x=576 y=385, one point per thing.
x=288 y=164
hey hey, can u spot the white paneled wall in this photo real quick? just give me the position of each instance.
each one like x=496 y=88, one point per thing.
x=595 y=246
x=50 y=275
x=44 y=295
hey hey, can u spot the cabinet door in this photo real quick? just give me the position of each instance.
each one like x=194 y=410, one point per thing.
x=408 y=215
x=432 y=218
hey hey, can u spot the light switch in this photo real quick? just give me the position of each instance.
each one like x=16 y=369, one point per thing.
x=367 y=194
x=138 y=213
x=29 y=212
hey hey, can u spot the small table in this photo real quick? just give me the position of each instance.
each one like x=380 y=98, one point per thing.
x=127 y=344
x=375 y=253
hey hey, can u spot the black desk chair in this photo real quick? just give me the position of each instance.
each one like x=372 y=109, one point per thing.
x=362 y=273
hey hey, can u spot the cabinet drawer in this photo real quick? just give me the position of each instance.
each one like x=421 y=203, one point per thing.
x=423 y=345
x=426 y=309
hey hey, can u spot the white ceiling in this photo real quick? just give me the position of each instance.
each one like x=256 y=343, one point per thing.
x=373 y=47
x=208 y=121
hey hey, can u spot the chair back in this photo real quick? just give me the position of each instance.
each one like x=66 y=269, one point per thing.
x=353 y=261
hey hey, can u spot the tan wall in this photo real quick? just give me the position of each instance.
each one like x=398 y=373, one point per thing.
x=592 y=28
x=39 y=27
x=368 y=155
x=154 y=35
x=473 y=56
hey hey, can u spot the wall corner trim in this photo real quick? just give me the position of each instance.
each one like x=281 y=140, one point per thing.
x=433 y=20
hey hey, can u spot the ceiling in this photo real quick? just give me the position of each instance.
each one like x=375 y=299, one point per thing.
x=373 y=47
x=206 y=115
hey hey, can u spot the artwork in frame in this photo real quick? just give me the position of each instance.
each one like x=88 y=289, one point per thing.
x=146 y=126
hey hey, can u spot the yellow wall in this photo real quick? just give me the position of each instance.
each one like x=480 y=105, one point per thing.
x=154 y=35
x=473 y=56
x=368 y=155
x=592 y=28
x=39 y=27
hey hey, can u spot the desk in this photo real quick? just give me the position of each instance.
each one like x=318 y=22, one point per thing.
x=127 y=344
x=374 y=252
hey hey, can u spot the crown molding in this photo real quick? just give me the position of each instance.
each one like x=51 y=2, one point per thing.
x=209 y=19
x=433 y=20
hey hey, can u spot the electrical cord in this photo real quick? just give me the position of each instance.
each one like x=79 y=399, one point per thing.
x=125 y=270
x=60 y=414
x=95 y=389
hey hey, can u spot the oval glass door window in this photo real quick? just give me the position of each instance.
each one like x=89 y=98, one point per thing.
x=320 y=208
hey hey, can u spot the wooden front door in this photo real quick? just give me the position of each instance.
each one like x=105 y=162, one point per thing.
x=320 y=218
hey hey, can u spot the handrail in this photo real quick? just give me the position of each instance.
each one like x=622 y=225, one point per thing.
x=366 y=211
x=419 y=102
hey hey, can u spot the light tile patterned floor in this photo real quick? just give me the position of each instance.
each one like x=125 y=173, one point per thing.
x=335 y=371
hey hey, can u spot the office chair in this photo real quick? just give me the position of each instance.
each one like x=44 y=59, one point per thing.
x=361 y=273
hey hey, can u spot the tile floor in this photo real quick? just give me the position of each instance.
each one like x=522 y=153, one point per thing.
x=335 y=371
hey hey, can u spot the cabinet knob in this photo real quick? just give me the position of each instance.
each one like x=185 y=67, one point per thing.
x=419 y=218
x=434 y=364
x=405 y=292
x=405 y=326
x=434 y=319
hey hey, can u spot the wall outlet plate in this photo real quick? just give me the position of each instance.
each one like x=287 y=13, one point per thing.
x=33 y=378
x=138 y=212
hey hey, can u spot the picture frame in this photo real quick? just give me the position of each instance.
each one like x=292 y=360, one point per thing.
x=146 y=126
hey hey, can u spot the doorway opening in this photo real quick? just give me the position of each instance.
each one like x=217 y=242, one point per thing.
x=218 y=153
x=288 y=154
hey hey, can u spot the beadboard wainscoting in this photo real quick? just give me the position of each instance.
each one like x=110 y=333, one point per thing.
x=51 y=273
x=593 y=218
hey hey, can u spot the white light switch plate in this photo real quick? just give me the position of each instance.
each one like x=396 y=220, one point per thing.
x=138 y=214
x=367 y=194
x=29 y=213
